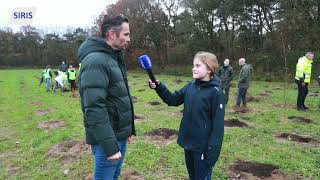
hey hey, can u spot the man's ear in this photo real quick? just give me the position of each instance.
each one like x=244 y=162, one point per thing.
x=112 y=34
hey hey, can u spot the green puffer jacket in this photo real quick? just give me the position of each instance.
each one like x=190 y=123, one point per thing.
x=244 y=77
x=226 y=76
x=105 y=98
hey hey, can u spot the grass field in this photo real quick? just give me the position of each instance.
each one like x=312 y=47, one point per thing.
x=30 y=148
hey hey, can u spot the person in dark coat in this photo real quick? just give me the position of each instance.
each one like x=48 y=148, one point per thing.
x=225 y=73
x=244 y=81
x=202 y=125
x=105 y=98
x=63 y=67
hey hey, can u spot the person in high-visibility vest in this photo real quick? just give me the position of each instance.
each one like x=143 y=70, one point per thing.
x=46 y=74
x=303 y=78
x=72 y=77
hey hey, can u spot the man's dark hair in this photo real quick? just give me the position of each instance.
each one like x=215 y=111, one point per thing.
x=112 y=22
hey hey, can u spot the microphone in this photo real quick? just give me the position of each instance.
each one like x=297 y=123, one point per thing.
x=145 y=63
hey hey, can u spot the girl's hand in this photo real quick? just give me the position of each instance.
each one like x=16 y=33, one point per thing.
x=153 y=85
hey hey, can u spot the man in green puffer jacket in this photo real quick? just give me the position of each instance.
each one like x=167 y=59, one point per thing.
x=105 y=98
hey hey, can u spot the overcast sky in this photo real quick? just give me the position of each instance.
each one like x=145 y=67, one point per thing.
x=52 y=15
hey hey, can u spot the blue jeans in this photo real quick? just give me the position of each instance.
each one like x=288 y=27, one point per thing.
x=197 y=166
x=106 y=169
x=242 y=96
x=47 y=84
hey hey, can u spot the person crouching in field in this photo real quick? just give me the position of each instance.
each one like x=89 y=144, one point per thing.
x=59 y=80
x=202 y=125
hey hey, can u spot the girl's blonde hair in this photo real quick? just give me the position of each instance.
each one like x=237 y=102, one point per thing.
x=208 y=59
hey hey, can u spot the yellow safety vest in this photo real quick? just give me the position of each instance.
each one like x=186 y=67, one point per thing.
x=46 y=74
x=307 y=70
x=72 y=75
x=303 y=69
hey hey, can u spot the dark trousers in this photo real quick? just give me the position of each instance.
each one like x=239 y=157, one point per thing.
x=197 y=166
x=226 y=94
x=72 y=85
x=242 y=96
x=302 y=93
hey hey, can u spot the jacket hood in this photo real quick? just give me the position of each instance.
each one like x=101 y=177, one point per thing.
x=215 y=81
x=94 y=44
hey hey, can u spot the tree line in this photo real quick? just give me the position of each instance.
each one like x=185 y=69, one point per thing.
x=270 y=34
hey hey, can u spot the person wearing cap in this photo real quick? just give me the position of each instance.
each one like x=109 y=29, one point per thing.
x=303 y=78
x=243 y=83
x=225 y=73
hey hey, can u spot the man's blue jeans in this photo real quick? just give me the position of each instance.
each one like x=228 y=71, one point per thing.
x=105 y=169
x=47 y=84
x=242 y=96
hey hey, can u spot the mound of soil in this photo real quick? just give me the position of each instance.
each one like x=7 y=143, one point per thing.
x=242 y=110
x=52 y=124
x=42 y=112
x=163 y=132
x=256 y=171
x=253 y=99
x=87 y=177
x=132 y=175
x=70 y=151
x=138 y=117
x=154 y=103
x=281 y=105
x=314 y=94
x=178 y=81
x=234 y=123
x=75 y=94
x=297 y=138
x=12 y=170
x=162 y=136
x=300 y=119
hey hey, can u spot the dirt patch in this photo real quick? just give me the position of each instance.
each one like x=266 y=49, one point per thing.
x=35 y=103
x=52 y=124
x=314 y=94
x=299 y=139
x=138 y=117
x=132 y=175
x=75 y=94
x=87 y=177
x=162 y=136
x=266 y=93
x=12 y=170
x=300 y=119
x=243 y=110
x=69 y=151
x=134 y=99
x=256 y=171
x=234 y=123
x=42 y=112
x=154 y=103
x=289 y=106
x=178 y=81
x=253 y=99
